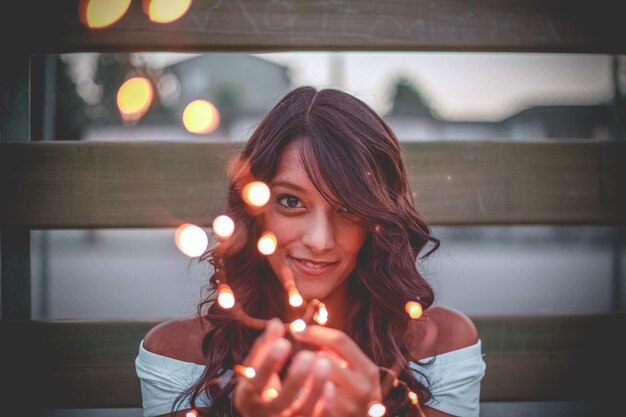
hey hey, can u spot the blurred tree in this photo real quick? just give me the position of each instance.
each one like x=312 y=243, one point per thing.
x=71 y=109
x=408 y=101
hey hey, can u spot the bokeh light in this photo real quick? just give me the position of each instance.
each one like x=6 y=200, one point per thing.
x=223 y=226
x=295 y=299
x=225 y=296
x=321 y=316
x=271 y=393
x=192 y=413
x=297 y=326
x=165 y=11
x=413 y=309
x=134 y=98
x=201 y=117
x=245 y=371
x=100 y=14
x=256 y=193
x=376 y=410
x=267 y=243
x=413 y=397
x=191 y=240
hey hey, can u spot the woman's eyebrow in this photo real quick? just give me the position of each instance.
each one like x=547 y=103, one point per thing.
x=287 y=184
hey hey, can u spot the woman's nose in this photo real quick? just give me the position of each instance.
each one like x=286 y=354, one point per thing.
x=319 y=234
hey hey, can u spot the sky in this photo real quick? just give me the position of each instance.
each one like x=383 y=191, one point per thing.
x=459 y=86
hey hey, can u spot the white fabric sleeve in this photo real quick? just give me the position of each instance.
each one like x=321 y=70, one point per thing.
x=454 y=379
x=163 y=379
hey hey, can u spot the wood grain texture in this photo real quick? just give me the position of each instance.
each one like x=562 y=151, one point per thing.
x=86 y=363
x=160 y=184
x=281 y=25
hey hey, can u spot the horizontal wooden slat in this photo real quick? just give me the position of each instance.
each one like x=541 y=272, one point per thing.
x=159 y=184
x=84 y=364
x=271 y=25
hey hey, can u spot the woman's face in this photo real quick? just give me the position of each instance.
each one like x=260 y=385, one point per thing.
x=315 y=241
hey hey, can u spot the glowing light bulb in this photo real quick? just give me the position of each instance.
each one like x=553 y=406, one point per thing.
x=191 y=240
x=295 y=299
x=413 y=397
x=413 y=309
x=271 y=393
x=297 y=326
x=134 y=98
x=225 y=296
x=376 y=410
x=223 y=226
x=256 y=193
x=192 y=413
x=100 y=14
x=165 y=11
x=321 y=316
x=245 y=371
x=201 y=117
x=267 y=243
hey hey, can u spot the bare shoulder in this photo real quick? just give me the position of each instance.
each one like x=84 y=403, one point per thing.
x=179 y=338
x=444 y=330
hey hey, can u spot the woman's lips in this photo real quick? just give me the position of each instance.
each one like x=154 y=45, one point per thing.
x=311 y=267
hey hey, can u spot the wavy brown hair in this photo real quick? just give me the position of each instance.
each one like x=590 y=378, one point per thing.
x=347 y=149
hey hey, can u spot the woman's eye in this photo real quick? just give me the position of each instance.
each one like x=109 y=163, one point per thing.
x=289 y=201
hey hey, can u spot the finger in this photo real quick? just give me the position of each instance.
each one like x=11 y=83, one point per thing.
x=271 y=365
x=340 y=343
x=263 y=343
x=297 y=373
x=338 y=371
x=315 y=393
x=325 y=406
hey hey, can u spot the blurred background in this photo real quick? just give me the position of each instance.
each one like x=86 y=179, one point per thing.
x=425 y=96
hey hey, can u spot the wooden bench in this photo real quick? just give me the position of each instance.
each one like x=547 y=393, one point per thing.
x=57 y=185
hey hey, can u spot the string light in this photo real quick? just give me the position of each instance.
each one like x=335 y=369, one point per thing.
x=134 y=98
x=256 y=193
x=225 y=296
x=413 y=397
x=245 y=371
x=376 y=410
x=192 y=413
x=100 y=14
x=413 y=309
x=201 y=117
x=271 y=393
x=191 y=240
x=223 y=226
x=267 y=243
x=297 y=326
x=165 y=11
x=321 y=316
x=295 y=299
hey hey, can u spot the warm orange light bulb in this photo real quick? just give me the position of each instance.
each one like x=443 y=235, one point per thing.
x=376 y=410
x=413 y=397
x=165 y=11
x=192 y=413
x=100 y=14
x=134 y=98
x=201 y=117
x=191 y=240
x=295 y=299
x=413 y=309
x=225 y=296
x=223 y=226
x=256 y=193
x=297 y=326
x=267 y=243
x=321 y=316
x=271 y=393
x=245 y=371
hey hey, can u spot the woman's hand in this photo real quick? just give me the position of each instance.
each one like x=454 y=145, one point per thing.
x=305 y=390
x=355 y=376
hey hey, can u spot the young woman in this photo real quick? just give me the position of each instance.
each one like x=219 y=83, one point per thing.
x=348 y=235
